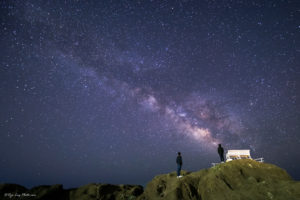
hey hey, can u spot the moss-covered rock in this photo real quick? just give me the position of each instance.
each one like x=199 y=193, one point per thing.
x=235 y=180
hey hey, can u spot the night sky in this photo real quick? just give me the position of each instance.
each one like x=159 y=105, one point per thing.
x=110 y=91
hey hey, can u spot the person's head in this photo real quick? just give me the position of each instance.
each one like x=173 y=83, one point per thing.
x=219 y=145
x=179 y=153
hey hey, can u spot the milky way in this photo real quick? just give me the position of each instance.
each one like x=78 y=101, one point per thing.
x=110 y=91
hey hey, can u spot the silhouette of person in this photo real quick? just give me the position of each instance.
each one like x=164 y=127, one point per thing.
x=179 y=164
x=221 y=152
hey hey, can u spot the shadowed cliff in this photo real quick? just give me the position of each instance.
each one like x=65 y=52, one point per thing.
x=235 y=180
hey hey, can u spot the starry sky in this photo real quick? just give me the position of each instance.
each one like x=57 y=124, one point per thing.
x=110 y=91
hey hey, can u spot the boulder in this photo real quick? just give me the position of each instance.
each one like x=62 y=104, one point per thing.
x=236 y=180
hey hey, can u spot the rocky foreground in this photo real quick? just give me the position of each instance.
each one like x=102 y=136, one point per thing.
x=235 y=180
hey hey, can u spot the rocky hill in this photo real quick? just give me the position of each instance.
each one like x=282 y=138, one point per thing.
x=235 y=180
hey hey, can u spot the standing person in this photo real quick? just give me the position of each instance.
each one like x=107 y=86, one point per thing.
x=221 y=152
x=179 y=164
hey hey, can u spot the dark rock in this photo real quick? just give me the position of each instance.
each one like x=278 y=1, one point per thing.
x=49 y=192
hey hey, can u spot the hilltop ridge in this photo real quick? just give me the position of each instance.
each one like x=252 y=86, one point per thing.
x=236 y=180
x=239 y=179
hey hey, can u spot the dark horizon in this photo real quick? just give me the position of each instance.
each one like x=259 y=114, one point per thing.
x=110 y=91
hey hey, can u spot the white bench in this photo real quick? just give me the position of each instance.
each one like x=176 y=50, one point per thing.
x=238 y=154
